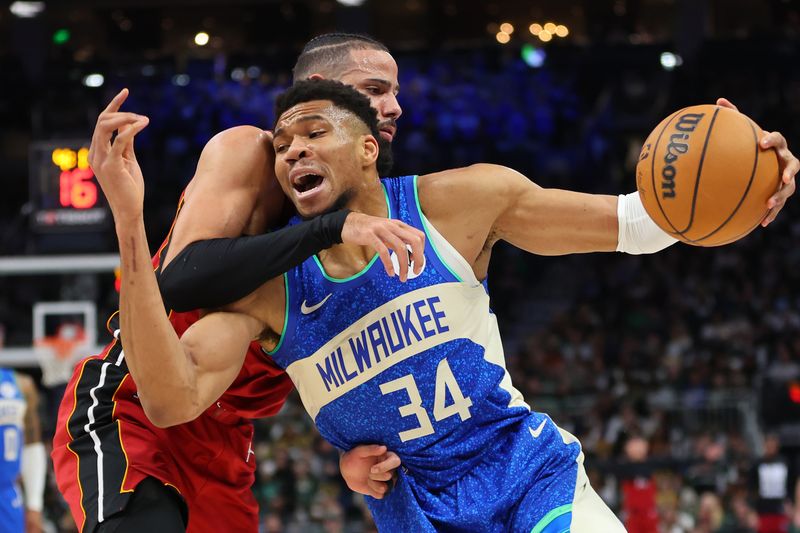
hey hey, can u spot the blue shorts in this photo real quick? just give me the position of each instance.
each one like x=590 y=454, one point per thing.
x=526 y=483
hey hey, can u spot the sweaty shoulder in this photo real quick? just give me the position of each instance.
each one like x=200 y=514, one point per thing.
x=451 y=193
x=463 y=203
x=239 y=156
x=233 y=191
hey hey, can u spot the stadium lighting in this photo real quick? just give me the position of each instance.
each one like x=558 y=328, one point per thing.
x=550 y=27
x=181 y=80
x=533 y=57
x=669 y=60
x=61 y=36
x=201 y=38
x=351 y=3
x=502 y=37
x=794 y=392
x=535 y=28
x=507 y=27
x=94 y=80
x=26 y=10
x=562 y=31
x=545 y=36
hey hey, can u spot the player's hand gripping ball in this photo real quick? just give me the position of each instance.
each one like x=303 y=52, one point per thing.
x=703 y=178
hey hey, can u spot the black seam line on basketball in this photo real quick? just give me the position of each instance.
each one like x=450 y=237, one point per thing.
x=742 y=234
x=699 y=173
x=746 y=190
x=653 y=169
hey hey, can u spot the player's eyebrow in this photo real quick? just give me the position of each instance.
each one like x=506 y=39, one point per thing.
x=385 y=83
x=281 y=131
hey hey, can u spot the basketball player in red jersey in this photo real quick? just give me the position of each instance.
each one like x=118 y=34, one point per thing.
x=119 y=471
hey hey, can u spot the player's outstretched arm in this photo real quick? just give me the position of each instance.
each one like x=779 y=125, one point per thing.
x=170 y=378
x=476 y=206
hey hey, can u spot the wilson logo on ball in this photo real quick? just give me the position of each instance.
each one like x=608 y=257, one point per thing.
x=677 y=146
x=702 y=176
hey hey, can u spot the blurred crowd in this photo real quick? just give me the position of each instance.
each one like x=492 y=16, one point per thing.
x=673 y=370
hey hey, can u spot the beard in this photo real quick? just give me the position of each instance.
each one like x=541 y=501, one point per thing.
x=341 y=201
x=385 y=160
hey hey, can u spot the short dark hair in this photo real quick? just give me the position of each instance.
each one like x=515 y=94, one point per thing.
x=344 y=97
x=324 y=53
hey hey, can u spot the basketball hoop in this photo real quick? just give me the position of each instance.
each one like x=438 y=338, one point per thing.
x=63 y=344
x=59 y=346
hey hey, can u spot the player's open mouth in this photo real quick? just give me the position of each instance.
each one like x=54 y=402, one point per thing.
x=307 y=182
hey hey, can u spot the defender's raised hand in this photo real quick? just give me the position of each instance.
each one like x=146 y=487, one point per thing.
x=114 y=162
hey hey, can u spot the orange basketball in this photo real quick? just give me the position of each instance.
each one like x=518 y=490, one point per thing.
x=703 y=178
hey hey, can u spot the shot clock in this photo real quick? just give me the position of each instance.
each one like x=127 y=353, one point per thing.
x=64 y=192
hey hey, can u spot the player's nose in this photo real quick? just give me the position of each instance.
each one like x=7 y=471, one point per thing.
x=391 y=107
x=297 y=150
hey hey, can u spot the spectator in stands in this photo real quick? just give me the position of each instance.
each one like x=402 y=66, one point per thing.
x=770 y=483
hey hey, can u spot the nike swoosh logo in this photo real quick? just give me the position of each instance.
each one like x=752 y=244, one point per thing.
x=308 y=309
x=538 y=431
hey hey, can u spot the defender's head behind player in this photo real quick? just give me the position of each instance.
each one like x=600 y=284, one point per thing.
x=361 y=62
x=326 y=146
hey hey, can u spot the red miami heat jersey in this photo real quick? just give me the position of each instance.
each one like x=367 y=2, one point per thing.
x=261 y=387
x=105 y=445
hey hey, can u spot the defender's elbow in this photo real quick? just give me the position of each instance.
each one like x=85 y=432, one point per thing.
x=167 y=414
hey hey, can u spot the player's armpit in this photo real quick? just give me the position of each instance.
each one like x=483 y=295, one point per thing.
x=233 y=190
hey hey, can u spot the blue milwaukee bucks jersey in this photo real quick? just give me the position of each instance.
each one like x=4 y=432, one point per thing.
x=419 y=366
x=12 y=415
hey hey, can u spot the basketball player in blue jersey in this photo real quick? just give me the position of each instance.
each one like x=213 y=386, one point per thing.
x=22 y=454
x=417 y=366
x=233 y=192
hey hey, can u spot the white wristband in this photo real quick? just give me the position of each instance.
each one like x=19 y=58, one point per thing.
x=34 y=472
x=638 y=234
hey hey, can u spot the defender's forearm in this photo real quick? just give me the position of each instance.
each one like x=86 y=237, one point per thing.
x=199 y=276
x=155 y=357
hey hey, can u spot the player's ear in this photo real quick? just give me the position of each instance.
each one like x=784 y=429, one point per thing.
x=316 y=76
x=370 y=150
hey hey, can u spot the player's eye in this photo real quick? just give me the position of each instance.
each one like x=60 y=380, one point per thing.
x=316 y=133
x=280 y=148
x=374 y=90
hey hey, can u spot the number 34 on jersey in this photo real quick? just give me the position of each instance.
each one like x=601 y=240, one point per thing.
x=445 y=383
